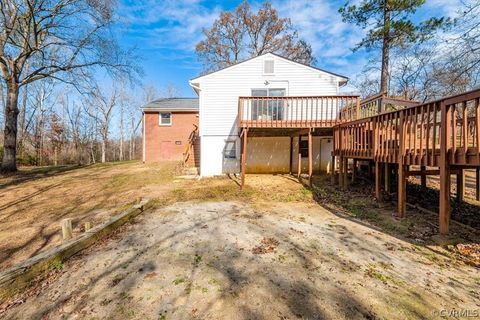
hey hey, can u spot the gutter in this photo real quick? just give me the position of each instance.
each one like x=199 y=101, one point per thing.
x=195 y=87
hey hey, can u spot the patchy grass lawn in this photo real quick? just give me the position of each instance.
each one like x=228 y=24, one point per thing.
x=34 y=201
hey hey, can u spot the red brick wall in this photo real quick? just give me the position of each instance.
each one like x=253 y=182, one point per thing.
x=164 y=137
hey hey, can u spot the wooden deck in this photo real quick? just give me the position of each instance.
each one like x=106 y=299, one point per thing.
x=441 y=137
x=443 y=133
x=293 y=112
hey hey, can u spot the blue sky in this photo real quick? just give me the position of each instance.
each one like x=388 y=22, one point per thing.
x=165 y=34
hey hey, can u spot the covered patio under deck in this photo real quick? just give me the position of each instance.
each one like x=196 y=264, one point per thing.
x=294 y=117
x=296 y=153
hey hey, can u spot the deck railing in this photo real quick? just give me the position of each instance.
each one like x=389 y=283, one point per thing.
x=413 y=136
x=292 y=112
x=374 y=105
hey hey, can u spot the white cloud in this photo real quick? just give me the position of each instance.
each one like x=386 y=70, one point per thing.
x=168 y=24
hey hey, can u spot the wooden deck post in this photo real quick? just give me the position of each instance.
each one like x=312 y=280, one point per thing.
x=299 y=156
x=402 y=190
x=354 y=170
x=460 y=185
x=386 y=175
x=340 y=172
x=477 y=184
x=332 y=170
x=378 y=183
x=244 y=156
x=445 y=134
x=291 y=154
x=402 y=168
x=423 y=177
x=345 y=173
x=310 y=157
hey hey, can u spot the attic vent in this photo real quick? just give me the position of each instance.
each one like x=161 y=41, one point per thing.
x=268 y=66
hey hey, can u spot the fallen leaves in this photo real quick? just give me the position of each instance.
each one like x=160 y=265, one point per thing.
x=470 y=252
x=267 y=245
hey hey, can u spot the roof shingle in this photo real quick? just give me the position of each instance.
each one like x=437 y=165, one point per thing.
x=173 y=104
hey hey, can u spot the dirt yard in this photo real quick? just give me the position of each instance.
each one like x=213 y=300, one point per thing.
x=227 y=260
x=276 y=250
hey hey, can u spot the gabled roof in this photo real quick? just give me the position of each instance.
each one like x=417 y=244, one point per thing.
x=172 y=104
x=345 y=79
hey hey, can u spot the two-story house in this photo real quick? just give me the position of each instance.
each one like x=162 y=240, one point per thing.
x=273 y=105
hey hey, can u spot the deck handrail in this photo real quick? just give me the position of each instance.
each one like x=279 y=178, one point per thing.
x=192 y=138
x=292 y=111
x=373 y=105
x=417 y=135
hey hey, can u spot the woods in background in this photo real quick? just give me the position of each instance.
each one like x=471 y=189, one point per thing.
x=58 y=125
x=424 y=61
x=70 y=94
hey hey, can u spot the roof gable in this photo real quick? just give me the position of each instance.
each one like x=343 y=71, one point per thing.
x=269 y=54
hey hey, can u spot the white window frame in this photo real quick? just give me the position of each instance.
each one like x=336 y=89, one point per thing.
x=160 y=119
x=263 y=67
x=234 y=150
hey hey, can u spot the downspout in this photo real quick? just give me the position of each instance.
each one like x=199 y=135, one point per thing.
x=143 y=129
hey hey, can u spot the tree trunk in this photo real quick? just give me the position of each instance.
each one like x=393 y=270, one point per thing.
x=104 y=147
x=21 y=124
x=55 y=156
x=385 y=50
x=9 y=161
x=4 y=107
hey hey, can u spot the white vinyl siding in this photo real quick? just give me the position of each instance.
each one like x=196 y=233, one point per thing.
x=220 y=91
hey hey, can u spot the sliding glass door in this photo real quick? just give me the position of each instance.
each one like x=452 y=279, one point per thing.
x=268 y=109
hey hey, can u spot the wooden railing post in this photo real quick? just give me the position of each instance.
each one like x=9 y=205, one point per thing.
x=358 y=109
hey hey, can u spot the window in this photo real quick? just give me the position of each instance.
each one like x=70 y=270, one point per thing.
x=165 y=118
x=230 y=150
x=304 y=148
x=268 y=66
x=267 y=109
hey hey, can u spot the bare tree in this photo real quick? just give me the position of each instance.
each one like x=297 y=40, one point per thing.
x=105 y=105
x=41 y=93
x=56 y=39
x=169 y=91
x=242 y=34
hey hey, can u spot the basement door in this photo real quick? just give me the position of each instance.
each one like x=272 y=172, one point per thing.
x=165 y=150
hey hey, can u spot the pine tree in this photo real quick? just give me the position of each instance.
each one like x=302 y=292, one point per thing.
x=389 y=24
